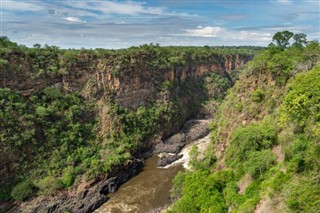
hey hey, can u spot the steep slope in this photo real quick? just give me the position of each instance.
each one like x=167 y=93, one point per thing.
x=265 y=141
x=75 y=123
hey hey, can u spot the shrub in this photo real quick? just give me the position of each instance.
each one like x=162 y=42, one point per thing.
x=258 y=95
x=49 y=185
x=303 y=194
x=301 y=104
x=231 y=195
x=22 y=190
x=200 y=194
x=251 y=138
x=259 y=161
x=68 y=177
x=178 y=184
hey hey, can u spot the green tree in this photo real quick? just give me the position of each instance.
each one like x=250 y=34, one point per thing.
x=300 y=40
x=281 y=39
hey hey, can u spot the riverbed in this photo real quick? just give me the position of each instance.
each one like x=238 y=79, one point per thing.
x=146 y=192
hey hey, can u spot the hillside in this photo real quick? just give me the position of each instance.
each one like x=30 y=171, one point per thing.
x=75 y=124
x=264 y=155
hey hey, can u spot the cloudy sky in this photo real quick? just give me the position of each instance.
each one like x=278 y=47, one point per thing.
x=119 y=24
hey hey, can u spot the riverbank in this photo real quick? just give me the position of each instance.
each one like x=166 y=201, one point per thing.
x=89 y=196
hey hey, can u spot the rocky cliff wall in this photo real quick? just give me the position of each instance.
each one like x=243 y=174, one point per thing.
x=131 y=84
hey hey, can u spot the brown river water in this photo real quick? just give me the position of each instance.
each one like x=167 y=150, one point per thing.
x=147 y=192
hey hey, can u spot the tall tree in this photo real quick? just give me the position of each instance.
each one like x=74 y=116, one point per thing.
x=300 y=40
x=281 y=39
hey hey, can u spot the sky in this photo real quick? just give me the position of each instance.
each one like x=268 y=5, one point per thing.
x=121 y=24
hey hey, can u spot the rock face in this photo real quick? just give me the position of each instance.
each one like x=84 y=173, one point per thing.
x=195 y=129
x=84 y=200
x=135 y=84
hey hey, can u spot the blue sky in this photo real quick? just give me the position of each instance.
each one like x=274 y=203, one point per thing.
x=120 y=24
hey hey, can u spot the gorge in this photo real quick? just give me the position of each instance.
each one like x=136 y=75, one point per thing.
x=101 y=110
x=75 y=125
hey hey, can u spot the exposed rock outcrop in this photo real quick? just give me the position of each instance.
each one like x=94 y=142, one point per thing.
x=135 y=84
x=172 y=144
x=84 y=199
x=168 y=159
x=195 y=129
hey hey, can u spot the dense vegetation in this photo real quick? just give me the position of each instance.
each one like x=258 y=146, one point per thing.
x=52 y=137
x=265 y=138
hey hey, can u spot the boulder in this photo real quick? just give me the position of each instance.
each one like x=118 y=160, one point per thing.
x=168 y=159
x=196 y=129
x=172 y=144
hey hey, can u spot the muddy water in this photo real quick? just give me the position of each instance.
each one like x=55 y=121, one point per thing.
x=146 y=192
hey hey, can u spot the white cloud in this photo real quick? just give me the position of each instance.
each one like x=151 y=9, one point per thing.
x=73 y=19
x=124 y=8
x=284 y=1
x=223 y=34
x=20 y=6
x=250 y=36
x=203 y=32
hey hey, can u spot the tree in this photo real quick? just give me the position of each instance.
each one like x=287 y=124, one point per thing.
x=300 y=40
x=6 y=43
x=282 y=38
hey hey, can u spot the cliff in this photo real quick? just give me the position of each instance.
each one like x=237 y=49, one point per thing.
x=131 y=84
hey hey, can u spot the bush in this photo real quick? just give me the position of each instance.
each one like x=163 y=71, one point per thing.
x=301 y=104
x=201 y=193
x=68 y=177
x=303 y=195
x=231 y=195
x=259 y=161
x=258 y=95
x=178 y=184
x=22 y=190
x=49 y=185
x=245 y=140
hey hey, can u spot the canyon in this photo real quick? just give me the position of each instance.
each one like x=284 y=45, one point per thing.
x=129 y=81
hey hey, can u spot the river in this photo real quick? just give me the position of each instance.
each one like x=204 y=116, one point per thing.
x=149 y=191
x=146 y=192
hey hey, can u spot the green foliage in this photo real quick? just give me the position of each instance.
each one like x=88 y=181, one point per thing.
x=15 y=123
x=22 y=190
x=300 y=40
x=246 y=140
x=304 y=194
x=115 y=73
x=201 y=193
x=217 y=85
x=6 y=43
x=5 y=190
x=194 y=161
x=68 y=177
x=282 y=38
x=48 y=185
x=231 y=195
x=167 y=85
x=178 y=184
x=259 y=161
x=138 y=124
x=258 y=95
x=301 y=105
